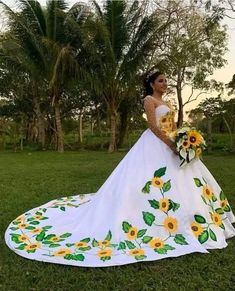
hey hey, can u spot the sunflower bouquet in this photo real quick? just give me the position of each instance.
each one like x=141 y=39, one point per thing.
x=189 y=143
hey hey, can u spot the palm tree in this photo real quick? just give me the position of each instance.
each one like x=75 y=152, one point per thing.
x=120 y=40
x=45 y=42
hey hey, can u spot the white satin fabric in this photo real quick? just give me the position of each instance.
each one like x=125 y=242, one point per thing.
x=121 y=224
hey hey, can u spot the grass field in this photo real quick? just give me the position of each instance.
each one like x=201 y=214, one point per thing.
x=28 y=180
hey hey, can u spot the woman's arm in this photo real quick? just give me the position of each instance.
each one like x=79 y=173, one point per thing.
x=149 y=108
x=174 y=126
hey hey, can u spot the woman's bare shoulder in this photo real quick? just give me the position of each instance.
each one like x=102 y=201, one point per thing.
x=149 y=99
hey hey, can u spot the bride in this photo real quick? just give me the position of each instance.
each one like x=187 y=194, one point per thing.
x=148 y=209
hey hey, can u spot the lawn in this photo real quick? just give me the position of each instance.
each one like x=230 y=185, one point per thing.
x=28 y=180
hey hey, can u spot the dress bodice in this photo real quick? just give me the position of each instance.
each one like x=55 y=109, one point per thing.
x=165 y=118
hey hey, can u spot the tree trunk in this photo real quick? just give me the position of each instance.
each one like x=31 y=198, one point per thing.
x=209 y=134
x=80 y=128
x=92 y=126
x=180 y=101
x=123 y=127
x=98 y=121
x=113 y=129
x=21 y=135
x=232 y=148
x=40 y=123
x=59 y=131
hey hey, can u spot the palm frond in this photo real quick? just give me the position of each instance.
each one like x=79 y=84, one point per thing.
x=65 y=68
x=115 y=22
x=34 y=15
x=143 y=43
x=97 y=9
x=21 y=30
x=54 y=17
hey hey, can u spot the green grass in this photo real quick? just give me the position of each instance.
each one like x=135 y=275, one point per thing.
x=28 y=180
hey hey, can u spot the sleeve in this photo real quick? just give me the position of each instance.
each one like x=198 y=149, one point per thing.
x=151 y=120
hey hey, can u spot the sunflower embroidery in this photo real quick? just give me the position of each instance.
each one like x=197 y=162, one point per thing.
x=207 y=192
x=19 y=219
x=166 y=122
x=54 y=239
x=62 y=252
x=38 y=217
x=170 y=224
x=36 y=230
x=164 y=204
x=80 y=244
x=22 y=225
x=157 y=182
x=23 y=238
x=218 y=206
x=216 y=218
x=156 y=243
x=136 y=252
x=104 y=243
x=197 y=229
x=32 y=247
x=37 y=238
x=104 y=253
x=132 y=233
x=223 y=203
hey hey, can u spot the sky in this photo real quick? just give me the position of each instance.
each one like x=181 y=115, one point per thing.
x=224 y=74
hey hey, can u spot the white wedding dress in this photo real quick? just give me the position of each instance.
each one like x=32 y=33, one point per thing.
x=148 y=209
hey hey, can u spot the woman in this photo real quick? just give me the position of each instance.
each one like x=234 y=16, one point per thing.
x=148 y=209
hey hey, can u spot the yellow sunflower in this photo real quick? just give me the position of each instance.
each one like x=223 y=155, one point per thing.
x=170 y=224
x=194 y=137
x=164 y=204
x=186 y=144
x=19 y=219
x=33 y=246
x=136 y=252
x=54 y=238
x=62 y=252
x=156 y=243
x=132 y=233
x=36 y=230
x=163 y=119
x=207 y=192
x=23 y=237
x=104 y=243
x=81 y=244
x=157 y=182
x=196 y=228
x=22 y=225
x=216 y=218
x=223 y=203
x=105 y=253
x=38 y=217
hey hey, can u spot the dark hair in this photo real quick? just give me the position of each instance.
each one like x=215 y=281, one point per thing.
x=150 y=79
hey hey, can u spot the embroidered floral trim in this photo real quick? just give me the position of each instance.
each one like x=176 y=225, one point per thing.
x=30 y=237
x=218 y=205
